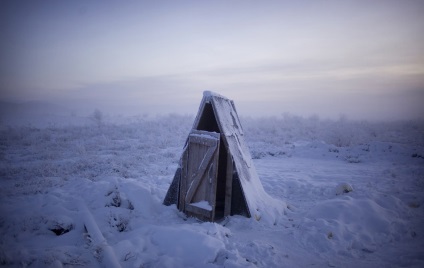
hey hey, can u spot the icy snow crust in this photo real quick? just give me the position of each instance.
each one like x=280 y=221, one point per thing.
x=121 y=171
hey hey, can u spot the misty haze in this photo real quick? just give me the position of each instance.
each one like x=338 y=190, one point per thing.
x=360 y=60
x=98 y=99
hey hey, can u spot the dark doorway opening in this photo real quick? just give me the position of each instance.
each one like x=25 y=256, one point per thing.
x=207 y=120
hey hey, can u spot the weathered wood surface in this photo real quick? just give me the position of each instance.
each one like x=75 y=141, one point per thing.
x=183 y=183
x=207 y=214
x=200 y=172
x=228 y=185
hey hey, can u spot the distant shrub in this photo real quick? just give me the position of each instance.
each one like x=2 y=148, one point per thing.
x=97 y=117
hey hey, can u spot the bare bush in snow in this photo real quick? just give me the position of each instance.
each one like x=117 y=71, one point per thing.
x=97 y=117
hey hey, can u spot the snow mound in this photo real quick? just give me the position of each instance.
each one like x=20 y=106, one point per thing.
x=352 y=226
x=185 y=246
x=343 y=188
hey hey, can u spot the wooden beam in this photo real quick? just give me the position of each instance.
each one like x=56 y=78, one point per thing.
x=183 y=181
x=228 y=185
x=200 y=211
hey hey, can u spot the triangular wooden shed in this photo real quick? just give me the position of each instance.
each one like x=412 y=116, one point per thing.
x=216 y=176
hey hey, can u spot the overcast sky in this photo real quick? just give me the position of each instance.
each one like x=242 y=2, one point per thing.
x=363 y=59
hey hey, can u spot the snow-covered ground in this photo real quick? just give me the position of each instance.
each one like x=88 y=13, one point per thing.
x=354 y=193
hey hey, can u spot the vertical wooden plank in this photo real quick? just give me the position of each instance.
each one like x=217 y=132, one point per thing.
x=212 y=175
x=228 y=185
x=183 y=181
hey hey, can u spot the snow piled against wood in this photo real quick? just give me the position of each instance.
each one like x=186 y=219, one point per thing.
x=353 y=193
x=261 y=206
x=202 y=204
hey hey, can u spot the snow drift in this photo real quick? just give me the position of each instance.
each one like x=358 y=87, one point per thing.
x=121 y=170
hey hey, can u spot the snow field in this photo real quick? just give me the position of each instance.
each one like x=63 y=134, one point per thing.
x=354 y=195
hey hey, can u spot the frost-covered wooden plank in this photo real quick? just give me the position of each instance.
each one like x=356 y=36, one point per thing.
x=109 y=258
x=183 y=182
x=193 y=208
x=228 y=185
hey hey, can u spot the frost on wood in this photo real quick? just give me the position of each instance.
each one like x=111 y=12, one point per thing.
x=238 y=188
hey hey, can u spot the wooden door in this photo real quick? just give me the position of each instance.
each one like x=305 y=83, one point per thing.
x=199 y=175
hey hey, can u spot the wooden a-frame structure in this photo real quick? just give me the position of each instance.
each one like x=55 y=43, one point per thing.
x=216 y=176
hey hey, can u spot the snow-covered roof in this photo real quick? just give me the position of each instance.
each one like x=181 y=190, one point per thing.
x=259 y=203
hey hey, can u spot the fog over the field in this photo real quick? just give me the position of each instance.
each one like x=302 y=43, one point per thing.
x=363 y=59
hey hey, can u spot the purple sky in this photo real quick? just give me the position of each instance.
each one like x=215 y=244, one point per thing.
x=363 y=59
